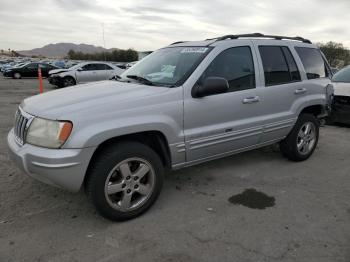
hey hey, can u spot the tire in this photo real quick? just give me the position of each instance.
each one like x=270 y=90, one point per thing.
x=301 y=142
x=68 y=81
x=17 y=75
x=118 y=169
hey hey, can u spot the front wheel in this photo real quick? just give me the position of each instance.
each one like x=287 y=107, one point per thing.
x=68 y=81
x=302 y=140
x=125 y=180
x=17 y=75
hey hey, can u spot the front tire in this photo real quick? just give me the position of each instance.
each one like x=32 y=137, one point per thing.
x=125 y=180
x=302 y=140
x=68 y=81
x=17 y=75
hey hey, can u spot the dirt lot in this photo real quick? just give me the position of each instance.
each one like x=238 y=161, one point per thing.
x=307 y=214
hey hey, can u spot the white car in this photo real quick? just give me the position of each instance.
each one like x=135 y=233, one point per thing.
x=341 y=101
x=83 y=73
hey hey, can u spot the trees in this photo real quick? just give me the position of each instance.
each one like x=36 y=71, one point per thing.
x=336 y=54
x=117 y=55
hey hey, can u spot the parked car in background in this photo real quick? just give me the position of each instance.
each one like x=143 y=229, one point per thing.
x=341 y=101
x=83 y=73
x=29 y=70
x=7 y=66
x=59 y=64
x=334 y=70
x=209 y=99
x=128 y=65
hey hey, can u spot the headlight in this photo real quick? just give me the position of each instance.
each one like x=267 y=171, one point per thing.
x=48 y=133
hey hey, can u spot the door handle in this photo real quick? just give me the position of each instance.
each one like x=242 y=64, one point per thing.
x=250 y=100
x=300 y=91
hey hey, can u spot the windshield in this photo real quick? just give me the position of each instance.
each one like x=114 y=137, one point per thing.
x=76 y=66
x=342 y=76
x=168 y=66
x=22 y=64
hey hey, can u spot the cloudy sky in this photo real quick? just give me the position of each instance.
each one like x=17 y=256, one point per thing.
x=151 y=24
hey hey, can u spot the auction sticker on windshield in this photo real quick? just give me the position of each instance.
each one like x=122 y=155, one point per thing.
x=194 y=50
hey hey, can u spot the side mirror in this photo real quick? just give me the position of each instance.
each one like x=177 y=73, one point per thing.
x=79 y=69
x=211 y=86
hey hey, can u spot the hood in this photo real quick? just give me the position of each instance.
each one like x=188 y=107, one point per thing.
x=341 y=89
x=57 y=71
x=88 y=97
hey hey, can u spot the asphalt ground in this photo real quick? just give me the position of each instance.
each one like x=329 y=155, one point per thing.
x=288 y=211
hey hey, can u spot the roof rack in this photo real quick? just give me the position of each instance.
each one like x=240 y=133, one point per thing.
x=259 y=35
x=178 y=42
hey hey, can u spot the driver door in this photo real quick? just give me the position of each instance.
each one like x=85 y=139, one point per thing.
x=224 y=123
x=88 y=73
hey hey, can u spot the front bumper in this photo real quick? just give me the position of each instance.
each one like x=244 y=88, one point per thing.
x=64 y=168
x=341 y=109
x=7 y=73
x=56 y=81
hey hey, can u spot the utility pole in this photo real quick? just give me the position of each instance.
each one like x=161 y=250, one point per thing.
x=103 y=39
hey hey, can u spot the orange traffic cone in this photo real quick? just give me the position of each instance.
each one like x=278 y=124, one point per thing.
x=41 y=86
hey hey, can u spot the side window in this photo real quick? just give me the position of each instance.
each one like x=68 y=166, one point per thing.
x=313 y=62
x=107 y=67
x=33 y=66
x=293 y=69
x=236 y=65
x=90 y=67
x=279 y=65
x=103 y=67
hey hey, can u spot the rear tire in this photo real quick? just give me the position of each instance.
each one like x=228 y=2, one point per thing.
x=302 y=140
x=124 y=180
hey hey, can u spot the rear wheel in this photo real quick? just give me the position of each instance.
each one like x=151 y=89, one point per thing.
x=17 y=75
x=125 y=180
x=68 y=81
x=302 y=140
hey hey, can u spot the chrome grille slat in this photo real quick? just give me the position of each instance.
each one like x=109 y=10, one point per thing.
x=16 y=121
x=21 y=125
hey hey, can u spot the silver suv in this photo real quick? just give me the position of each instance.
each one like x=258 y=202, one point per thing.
x=184 y=104
x=83 y=73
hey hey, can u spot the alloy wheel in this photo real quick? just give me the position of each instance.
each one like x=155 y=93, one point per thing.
x=306 y=138
x=129 y=184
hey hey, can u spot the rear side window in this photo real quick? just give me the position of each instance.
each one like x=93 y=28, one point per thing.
x=313 y=62
x=236 y=66
x=103 y=67
x=32 y=66
x=279 y=65
x=293 y=69
x=90 y=67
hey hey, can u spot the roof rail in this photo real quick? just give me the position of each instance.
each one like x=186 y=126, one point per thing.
x=259 y=35
x=178 y=42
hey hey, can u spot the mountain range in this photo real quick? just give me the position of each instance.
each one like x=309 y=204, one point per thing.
x=62 y=49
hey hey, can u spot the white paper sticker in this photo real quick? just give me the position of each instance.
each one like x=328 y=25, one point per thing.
x=194 y=50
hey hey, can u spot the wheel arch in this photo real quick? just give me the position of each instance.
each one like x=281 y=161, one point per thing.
x=70 y=76
x=317 y=110
x=154 y=139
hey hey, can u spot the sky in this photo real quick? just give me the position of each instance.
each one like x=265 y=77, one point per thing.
x=151 y=24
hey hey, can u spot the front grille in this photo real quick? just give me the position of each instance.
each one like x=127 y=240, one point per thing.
x=21 y=125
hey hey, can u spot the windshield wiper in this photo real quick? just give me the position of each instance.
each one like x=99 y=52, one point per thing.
x=141 y=79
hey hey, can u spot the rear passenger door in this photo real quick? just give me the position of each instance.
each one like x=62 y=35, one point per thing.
x=291 y=74
x=282 y=85
x=104 y=71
